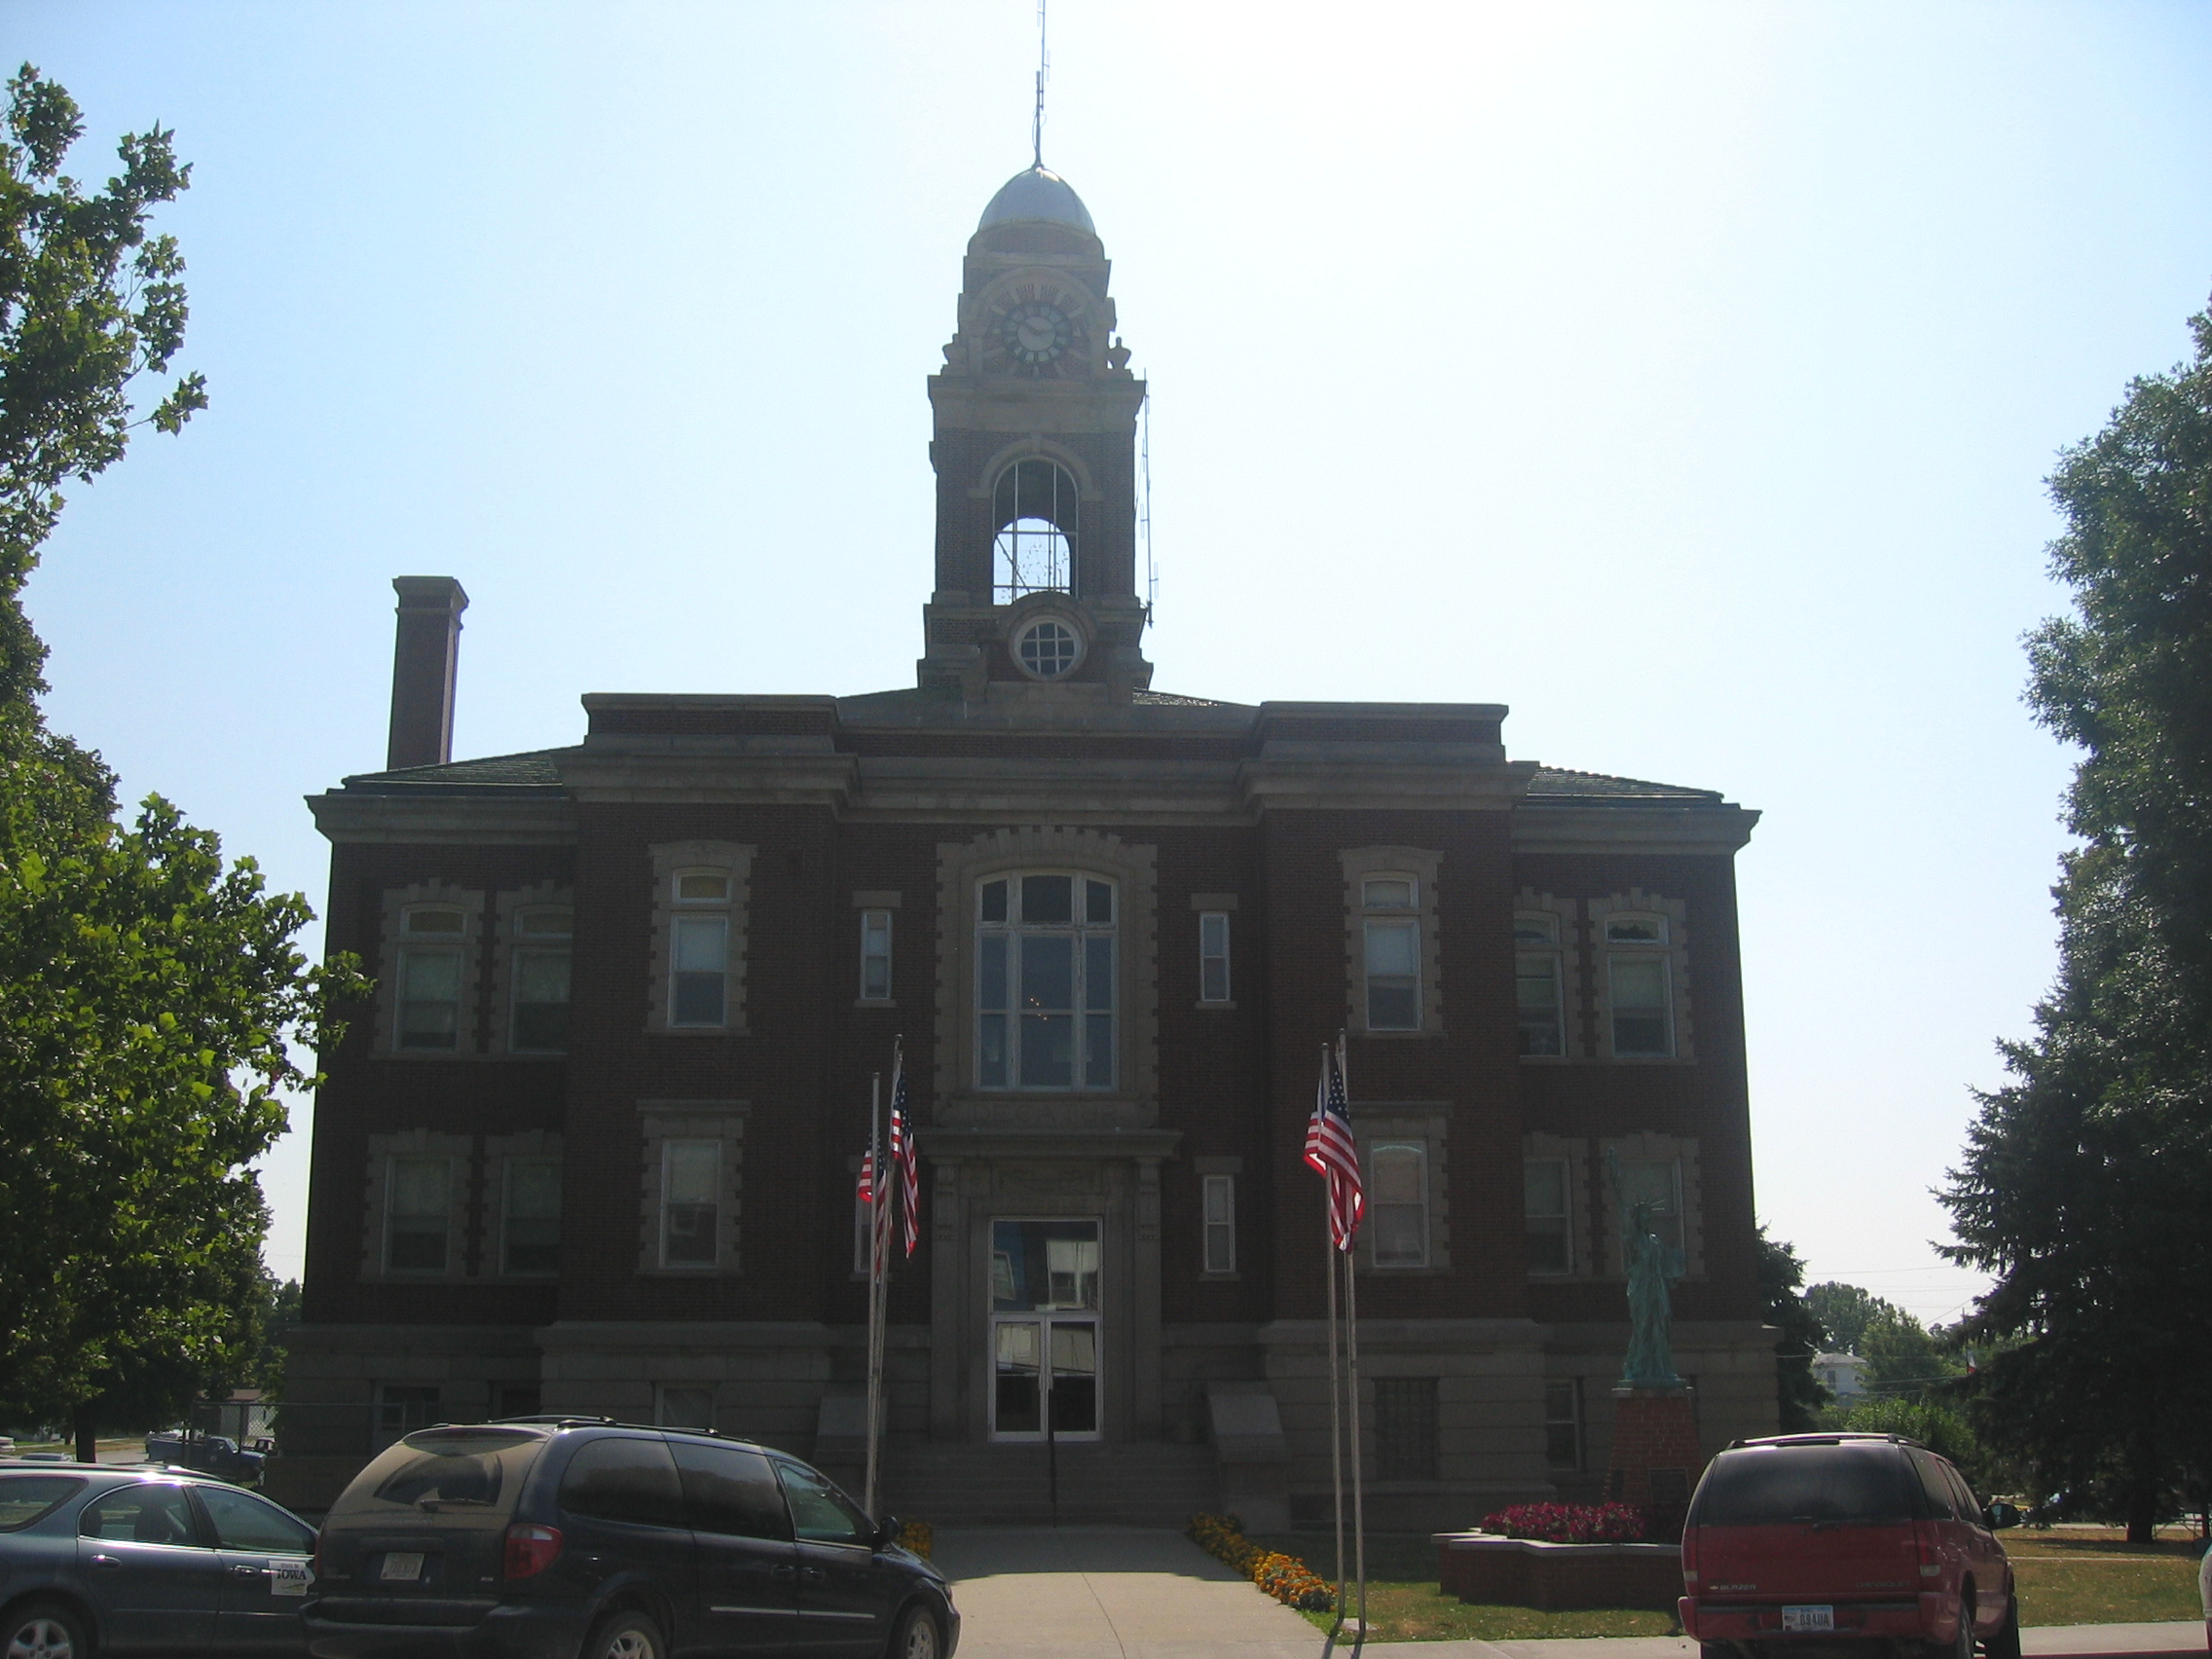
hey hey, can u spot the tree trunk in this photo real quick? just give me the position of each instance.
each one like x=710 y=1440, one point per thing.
x=2142 y=1488
x=87 y=1435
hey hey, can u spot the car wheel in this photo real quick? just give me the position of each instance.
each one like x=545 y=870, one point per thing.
x=623 y=1635
x=2005 y=1644
x=916 y=1636
x=1962 y=1646
x=45 y=1630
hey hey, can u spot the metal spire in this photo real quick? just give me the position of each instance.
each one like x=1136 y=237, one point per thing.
x=1044 y=68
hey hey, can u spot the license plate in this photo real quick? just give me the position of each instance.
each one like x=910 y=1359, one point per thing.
x=409 y=1566
x=1808 y=1618
x=288 y=1577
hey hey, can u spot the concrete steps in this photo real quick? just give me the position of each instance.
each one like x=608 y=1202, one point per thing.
x=1132 y=1485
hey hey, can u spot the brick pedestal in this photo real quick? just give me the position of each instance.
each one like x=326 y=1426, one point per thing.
x=1656 y=1461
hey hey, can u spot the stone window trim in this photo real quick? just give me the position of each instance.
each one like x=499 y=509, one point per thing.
x=962 y=867
x=1422 y=865
x=1581 y=1242
x=1674 y=952
x=491 y=1225
x=1232 y=1168
x=665 y=1121
x=1035 y=447
x=507 y=908
x=397 y=901
x=1428 y=1123
x=1648 y=1148
x=461 y=1151
x=735 y=859
x=1566 y=911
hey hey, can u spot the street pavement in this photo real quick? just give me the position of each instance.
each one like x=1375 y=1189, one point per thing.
x=1133 y=1593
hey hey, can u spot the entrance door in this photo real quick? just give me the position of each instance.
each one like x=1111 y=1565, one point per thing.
x=1045 y=1320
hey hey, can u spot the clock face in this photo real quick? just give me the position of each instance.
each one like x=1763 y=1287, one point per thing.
x=1035 y=333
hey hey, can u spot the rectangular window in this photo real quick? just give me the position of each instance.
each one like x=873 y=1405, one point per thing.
x=1213 y=956
x=1536 y=982
x=429 y=972
x=683 y=1406
x=1393 y=976
x=1643 y=1023
x=1657 y=1184
x=1405 y=1428
x=530 y=1219
x=402 y=1408
x=1544 y=1207
x=699 y=956
x=1045 y=973
x=1220 y=1204
x=691 y=1203
x=516 y=1399
x=1397 y=1204
x=875 y=955
x=1563 y=1424
x=418 y=1214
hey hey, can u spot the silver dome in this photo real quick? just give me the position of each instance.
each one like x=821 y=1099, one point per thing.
x=1035 y=194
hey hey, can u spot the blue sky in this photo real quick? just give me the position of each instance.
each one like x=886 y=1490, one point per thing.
x=1685 y=376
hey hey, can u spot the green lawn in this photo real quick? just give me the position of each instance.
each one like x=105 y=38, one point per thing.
x=2094 y=1579
x=2064 y=1580
x=1404 y=1604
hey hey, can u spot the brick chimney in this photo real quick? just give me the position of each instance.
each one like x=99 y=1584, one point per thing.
x=422 y=663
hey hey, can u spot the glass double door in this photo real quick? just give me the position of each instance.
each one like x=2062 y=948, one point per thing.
x=1045 y=1329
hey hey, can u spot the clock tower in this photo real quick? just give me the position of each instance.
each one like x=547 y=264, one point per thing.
x=1034 y=445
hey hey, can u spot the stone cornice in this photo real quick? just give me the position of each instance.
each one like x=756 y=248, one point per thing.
x=1601 y=828
x=446 y=818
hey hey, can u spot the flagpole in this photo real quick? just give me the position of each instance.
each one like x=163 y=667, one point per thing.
x=1352 y=1394
x=875 y=1274
x=1329 y=1253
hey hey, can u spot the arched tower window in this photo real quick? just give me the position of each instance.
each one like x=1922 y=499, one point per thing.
x=1033 y=523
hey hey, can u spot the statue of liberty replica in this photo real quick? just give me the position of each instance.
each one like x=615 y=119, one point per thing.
x=1653 y=1267
x=1656 y=1458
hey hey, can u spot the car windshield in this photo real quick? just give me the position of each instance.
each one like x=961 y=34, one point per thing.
x=471 y=1469
x=25 y=1499
x=1766 y=1484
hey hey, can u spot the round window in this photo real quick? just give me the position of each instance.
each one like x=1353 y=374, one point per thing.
x=1047 y=650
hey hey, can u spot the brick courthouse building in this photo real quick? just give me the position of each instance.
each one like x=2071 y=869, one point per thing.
x=592 y=1149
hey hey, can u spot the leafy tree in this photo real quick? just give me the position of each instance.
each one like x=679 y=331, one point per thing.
x=1936 y=1426
x=150 y=993
x=2082 y=1184
x=1798 y=1391
x=1902 y=1356
x=1846 y=1311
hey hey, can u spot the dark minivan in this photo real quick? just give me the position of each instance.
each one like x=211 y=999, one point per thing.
x=1844 y=1541
x=583 y=1538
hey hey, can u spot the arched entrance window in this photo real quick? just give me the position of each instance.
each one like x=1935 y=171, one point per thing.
x=1033 y=531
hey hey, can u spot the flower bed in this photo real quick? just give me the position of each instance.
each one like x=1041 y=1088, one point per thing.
x=1287 y=1578
x=915 y=1535
x=1571 y=1522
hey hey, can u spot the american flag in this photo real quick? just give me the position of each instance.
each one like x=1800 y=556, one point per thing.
x=906 y=1159
x=877 y=1201
x=1334 y=1154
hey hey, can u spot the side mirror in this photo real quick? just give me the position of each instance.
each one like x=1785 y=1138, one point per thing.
x=887 y=1532
x=2000 y=1516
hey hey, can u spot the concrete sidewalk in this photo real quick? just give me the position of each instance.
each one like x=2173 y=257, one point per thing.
x=2047 y=1642
x=1135 y=1593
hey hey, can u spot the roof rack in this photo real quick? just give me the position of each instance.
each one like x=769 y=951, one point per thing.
x=1825 y=1437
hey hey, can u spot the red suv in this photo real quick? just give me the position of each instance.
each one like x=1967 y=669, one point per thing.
x=1833 y=1540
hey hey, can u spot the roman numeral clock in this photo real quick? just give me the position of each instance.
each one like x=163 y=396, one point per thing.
x=1036 y=329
